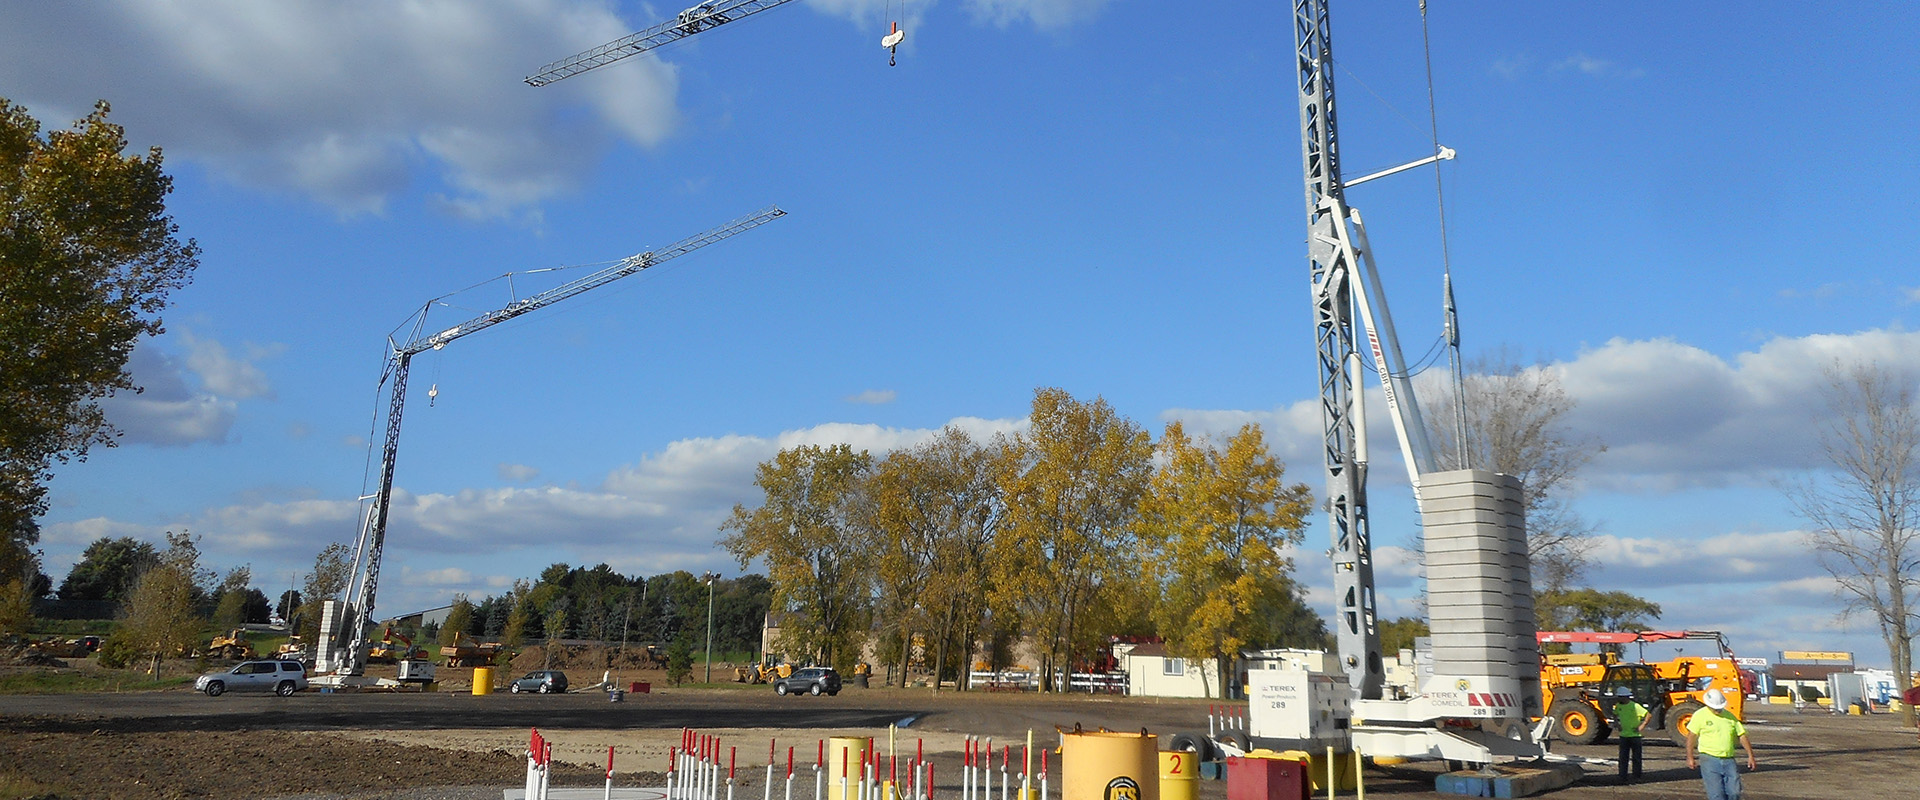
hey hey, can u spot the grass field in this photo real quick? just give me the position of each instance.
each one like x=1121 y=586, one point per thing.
x=70 y=682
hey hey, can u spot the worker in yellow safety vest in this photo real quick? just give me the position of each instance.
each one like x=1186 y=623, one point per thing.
x=1712 y=732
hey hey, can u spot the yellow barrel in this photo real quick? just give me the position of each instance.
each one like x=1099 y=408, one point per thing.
x=1179 y=775
x=1109 y=766
x=855 y=749
x=482 y=680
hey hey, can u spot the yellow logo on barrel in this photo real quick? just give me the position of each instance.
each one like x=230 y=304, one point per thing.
x=1122 y=788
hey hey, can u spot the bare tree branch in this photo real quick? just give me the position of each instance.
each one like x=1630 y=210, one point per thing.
x=1865 y=517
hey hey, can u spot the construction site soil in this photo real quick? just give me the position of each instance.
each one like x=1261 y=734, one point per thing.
x=453 y=745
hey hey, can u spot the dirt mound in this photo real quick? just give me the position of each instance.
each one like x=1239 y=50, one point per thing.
x=20 y=655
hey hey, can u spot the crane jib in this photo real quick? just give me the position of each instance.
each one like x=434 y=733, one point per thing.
x=368 y=547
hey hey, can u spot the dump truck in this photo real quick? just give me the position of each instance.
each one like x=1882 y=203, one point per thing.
x=1578 y=688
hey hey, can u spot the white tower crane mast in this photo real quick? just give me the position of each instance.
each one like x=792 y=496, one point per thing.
x=357 y=610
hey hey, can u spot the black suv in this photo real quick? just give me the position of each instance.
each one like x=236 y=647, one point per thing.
x=811 y=680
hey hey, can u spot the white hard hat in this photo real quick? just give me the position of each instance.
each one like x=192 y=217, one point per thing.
x=1714 y=699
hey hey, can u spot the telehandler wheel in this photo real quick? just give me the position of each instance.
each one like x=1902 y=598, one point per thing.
x=1237 y=738
x=1677 y=721
x=1579 y=723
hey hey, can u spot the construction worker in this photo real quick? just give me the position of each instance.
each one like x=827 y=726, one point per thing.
x=1632 y=718
x=1711 y=732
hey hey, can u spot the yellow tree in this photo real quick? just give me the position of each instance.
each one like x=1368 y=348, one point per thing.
x=935 y=507
x=1064 y=550
x=163 y=618
x=809 y=534
x=1213 y=526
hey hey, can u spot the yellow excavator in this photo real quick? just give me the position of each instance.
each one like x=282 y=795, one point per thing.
x=386 y=652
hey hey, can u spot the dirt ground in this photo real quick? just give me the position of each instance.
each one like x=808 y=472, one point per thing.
x=452 y=746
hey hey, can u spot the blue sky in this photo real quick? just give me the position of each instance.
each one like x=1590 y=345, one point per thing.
x=1685 y=211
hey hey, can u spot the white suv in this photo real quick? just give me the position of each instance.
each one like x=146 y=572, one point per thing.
x=280 y=677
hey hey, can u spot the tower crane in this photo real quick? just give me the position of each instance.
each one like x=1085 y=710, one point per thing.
x=1485 y=681
x=699 y=17
x=356 y=611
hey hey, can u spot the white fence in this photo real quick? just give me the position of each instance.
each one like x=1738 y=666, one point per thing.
x=1090 y=682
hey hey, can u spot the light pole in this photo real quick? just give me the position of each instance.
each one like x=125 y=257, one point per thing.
x=709 y=578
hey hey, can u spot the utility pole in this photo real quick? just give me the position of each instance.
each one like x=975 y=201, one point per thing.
x=709 y=577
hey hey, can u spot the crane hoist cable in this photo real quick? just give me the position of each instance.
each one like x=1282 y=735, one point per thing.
x=1448 y=309
x=894 y=36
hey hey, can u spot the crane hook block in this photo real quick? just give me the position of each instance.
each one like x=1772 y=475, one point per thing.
x=892 y=42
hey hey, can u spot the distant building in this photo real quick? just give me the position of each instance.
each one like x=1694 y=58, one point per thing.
x=421 y=619
x=1152 y=672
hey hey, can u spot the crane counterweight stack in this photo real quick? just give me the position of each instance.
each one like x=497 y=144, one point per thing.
x=353 y=616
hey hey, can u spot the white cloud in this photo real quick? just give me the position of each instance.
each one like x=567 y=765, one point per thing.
x=187 y=399
x=1585 y=63
x=342 y=101
x=224 y=375
x=1674 y=415
x=661 y=514
x=168 y=412
x=1512 y=67
x=1778 y=557
x=1042 y=14
x=1911 y=293
x=518 y=473
x=874 y=397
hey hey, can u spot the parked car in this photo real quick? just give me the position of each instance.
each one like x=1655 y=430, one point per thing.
x=544 y=681
x=282 y=677
x=811 y=680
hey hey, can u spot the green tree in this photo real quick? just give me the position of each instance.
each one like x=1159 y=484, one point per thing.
x=680 y=659
x=1214 y=525
x=1065 y=552
x=1398 y=634
x=88 y=257
x=230 y=607
x=806 y=531
x=515 y=631
x=163 y=616
x=332 y=568
x=459 y=618
x=107 y=568
x=1595 y=610
x=555 y=623
x=16 y=608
